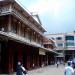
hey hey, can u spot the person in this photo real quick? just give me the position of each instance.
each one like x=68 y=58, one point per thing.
x=20 y=69
x=73 y=62
x=24 y=71
x=57 y=64
x=69 y=69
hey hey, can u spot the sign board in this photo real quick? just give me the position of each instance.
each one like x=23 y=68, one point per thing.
x=42 y=52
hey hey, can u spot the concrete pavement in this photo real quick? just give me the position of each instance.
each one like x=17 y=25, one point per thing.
x=49 y=70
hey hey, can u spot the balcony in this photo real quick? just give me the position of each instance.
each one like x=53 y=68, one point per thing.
x=26 y=21
x=18 y=38
x=5 y=10
x=8 y=9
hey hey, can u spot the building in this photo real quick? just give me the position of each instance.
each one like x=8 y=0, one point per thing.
x=65 y=44
x=49 y=44
x=21 y=38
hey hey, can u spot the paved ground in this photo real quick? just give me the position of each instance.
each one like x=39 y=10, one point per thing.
x=49 y=70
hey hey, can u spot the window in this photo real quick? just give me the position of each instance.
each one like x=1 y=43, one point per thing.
x=52 y=38
x=3 y=23
x=59 y=38
x=14 y=25
x=70 y=44
x=60 y=44
x=14 y=28
x=69 y=38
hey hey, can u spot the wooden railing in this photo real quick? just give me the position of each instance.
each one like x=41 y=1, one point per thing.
x=5 y=9
x=19 y=38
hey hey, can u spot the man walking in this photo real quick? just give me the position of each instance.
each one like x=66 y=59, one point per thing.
x=20 y=69
x=69 y=69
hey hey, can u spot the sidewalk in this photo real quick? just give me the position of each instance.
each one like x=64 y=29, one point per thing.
x=49 y=70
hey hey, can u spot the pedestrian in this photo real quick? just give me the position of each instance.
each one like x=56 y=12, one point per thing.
x=69 y=69
x=64 y=63
x=20 y=69
x=24 y=71
x=58 y=64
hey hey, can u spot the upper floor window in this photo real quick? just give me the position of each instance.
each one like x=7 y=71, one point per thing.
x=70 y=44
x=3 y=23
x=52 y=38
x=59 y=38
x=14 y=27
x=69 y=37
x=60 y=44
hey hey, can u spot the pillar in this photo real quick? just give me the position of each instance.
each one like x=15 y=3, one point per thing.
x=20 y=57
x=10 y=60
x=28 y=58
x=38 y=59
x=9 y=23
x=0 y=57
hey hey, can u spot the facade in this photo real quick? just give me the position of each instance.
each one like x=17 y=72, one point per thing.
x=49 y=44
x=65 y=44
x=21 y=39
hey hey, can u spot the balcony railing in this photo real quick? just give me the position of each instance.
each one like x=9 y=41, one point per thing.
x=5 y=10
x=19 y=38
x=4 y=29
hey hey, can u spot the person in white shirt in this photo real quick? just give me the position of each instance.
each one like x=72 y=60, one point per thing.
x=20 y=69
x=69 y=69
x=58 y=64
x=24 y=71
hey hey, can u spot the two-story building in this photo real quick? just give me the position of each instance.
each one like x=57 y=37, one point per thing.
x=65 y=44
x=21 y=38
x=49 y=44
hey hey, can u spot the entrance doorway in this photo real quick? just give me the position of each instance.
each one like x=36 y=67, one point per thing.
x=3 y=57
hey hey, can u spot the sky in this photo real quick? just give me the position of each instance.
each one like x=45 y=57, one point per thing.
x=57 y=16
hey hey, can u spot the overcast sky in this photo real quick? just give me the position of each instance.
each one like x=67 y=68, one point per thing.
x=57 y=16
